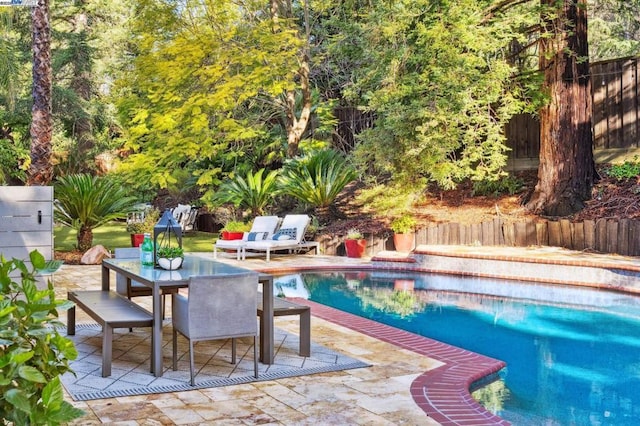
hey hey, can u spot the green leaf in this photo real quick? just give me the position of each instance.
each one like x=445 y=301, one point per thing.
x=18 y=399
x=32 y=374
x=37 y=259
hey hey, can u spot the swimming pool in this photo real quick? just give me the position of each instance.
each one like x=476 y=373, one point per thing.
x=572 y=354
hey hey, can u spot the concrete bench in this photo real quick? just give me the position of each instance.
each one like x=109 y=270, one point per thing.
x=110 y=310
x=282 y=307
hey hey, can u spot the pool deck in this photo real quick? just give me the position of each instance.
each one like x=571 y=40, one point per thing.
x=413 y=380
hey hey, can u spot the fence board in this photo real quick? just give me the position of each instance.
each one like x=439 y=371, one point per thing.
x=464 y=234
x=476 y=233
x=487 y=234
x=520 y=231
x=542 y=233
x=566 y=234
x=601 y=235
x=613 y=103
x=634 y=238
x=612 y=237
x=589 y=234
x=508 y=232
x=421 y=236
x=629 y=103
x=555 y=236
x=432 y=235
x=578 y=236
x=531 y=233
x=454 y=233
x=623 y=237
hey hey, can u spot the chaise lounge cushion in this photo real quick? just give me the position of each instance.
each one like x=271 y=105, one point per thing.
x=255 y=236
x=285 y=234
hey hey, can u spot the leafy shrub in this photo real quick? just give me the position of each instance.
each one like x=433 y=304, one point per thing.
x=253 y=192
x=236 y=226
x=506 y=185
x=403 y=224
x=32 y=353
x=317 y=180
x=354 y=234
x=626 y=170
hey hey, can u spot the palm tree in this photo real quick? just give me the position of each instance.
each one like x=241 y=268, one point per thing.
x=85 y=202
x=41 y=169
x=254 y=192
x=317 y=180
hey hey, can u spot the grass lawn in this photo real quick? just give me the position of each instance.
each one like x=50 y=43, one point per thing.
x=114 y=234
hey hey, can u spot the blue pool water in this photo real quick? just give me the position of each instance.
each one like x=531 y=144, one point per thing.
x=572 y=354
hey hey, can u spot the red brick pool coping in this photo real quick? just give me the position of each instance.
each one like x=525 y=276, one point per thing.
x=442 y=393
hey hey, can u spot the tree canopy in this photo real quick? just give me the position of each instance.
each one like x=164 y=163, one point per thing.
x=204 y=90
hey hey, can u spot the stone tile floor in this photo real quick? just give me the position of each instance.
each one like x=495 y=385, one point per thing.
x=376 y=395
x=380 y=395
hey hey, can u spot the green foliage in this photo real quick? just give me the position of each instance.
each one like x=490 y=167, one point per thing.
x=33 y=354
x=628 y=169
x=442 y=89
x=403 y=225
x=254 y=192
x=318 y=179
x=388 y=200
x=170 y=252
x=85 y=202
x=236 y=226
x=207 y=79
x=354 y=234
x=151 y=217
x=495 y=187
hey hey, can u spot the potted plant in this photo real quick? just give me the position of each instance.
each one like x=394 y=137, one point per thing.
x=354 y=243
x=137 y=228
x=234 y=230
x=170 y=258
x=403 y=228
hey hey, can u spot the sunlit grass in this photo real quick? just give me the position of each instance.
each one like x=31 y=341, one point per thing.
x=115 y=234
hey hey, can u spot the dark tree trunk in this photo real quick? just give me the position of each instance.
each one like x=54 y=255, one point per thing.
x=567 y=171
x=85 y=238
x=41 y=169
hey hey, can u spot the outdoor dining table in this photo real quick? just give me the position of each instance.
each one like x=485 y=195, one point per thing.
x=193 y=265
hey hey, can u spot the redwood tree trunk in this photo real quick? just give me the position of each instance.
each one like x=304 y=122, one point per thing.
x=567 y=171
x=41 y=169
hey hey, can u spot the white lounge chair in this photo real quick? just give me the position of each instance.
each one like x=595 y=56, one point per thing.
x=289 y=236
x=263 y=227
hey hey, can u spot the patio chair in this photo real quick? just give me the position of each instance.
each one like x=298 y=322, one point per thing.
x=263 y=227
x=135 y=289
x=290 y=236
x=217 y=307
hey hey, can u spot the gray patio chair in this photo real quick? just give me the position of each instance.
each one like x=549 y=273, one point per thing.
x=217 y=307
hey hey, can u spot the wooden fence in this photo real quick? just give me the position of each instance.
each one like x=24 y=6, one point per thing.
x=604 y=236
x=616 y=112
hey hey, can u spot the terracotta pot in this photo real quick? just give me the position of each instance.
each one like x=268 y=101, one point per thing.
x=403 y=285
x=404 y=242
x=136 y=240
x=355 y=248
